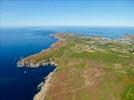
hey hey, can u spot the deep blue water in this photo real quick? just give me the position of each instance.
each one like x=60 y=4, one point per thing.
x=21 y=42
x=16 y=43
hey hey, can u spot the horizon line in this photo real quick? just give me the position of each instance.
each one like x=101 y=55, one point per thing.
x=66 y=26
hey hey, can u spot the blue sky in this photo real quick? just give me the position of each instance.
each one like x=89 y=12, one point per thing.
x=67 y=12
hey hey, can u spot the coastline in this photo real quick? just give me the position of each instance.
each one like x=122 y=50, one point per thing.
x=27 y=61
x=24 y=62
x=91 y=45
x=44 y=87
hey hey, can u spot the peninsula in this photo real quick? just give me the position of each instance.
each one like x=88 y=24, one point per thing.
x=87 y=68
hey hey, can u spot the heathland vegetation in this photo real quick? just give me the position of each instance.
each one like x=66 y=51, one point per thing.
x=89 y=68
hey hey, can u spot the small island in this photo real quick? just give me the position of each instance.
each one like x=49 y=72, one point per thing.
x=87 y=68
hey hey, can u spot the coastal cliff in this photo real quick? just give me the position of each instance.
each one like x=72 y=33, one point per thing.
x=40 y=59
x=85 y=67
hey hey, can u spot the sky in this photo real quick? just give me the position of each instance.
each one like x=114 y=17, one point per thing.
x=67 y=12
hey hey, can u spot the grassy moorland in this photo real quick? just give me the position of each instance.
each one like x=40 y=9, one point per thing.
x=90 y=68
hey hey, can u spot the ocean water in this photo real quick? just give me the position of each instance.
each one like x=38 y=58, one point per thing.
x=108 y=32
x=19 y=42
x=16 y=43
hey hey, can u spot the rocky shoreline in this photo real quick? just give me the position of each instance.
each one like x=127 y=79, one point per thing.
x=44 y=86
x=84 y=57
x=27 y=62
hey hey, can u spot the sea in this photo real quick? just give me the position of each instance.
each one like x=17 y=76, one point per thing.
x=19 y=42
